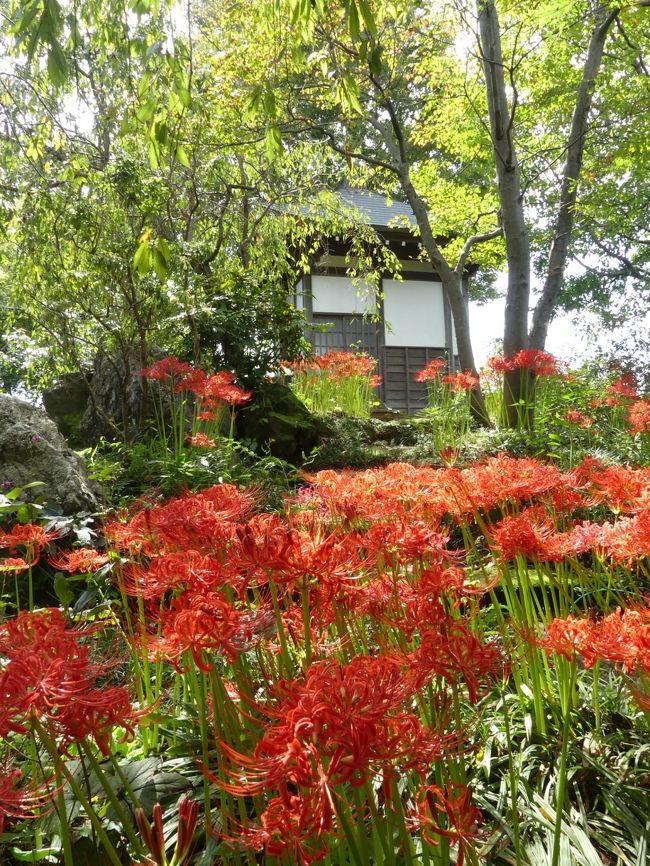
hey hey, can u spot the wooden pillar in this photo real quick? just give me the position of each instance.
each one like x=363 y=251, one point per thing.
x=308 y=305
x=381 y=341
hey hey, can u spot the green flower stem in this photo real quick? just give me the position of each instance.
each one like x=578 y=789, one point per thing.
x=113 y=799
x=568 y=683
x=62 y=771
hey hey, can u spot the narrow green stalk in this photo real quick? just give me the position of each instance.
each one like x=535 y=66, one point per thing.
x=514 y=786
x=306 y=616
x=595 y=693
x=285 y=658
x=30 y=585
x=562 y=777
x=199 y=691
x=349 y=835
x=113 y=799
x=62 y=771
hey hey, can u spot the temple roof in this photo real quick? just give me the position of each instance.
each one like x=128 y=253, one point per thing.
x=375 y=208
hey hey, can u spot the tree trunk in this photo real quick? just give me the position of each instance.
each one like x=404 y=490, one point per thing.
x=565 y=218
x=515 y=231
x=452 y=284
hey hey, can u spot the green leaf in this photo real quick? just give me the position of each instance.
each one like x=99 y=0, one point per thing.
x=142 y=259
x=353 y=21
x=57 y=65
x=153 y=154
x=181 y=156
x=163 y=248
x=159 y=264
x=62 y=589
x=273 y=143
x=34 y=854
x=374 y=60
x=143 y=85
x=22 y=24
x=368 y=17
x=145 y=112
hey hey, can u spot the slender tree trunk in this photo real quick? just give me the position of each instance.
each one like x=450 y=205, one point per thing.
x=565 y=218
x=452 y=285
x=515 y=231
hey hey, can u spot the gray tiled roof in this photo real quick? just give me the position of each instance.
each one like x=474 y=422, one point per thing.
x=375 y=209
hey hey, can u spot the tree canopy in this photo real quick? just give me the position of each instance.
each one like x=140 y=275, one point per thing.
x=153 y=157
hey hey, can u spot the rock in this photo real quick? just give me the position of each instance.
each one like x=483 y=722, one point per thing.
x=277 y=421
x=32 y=449
x=66 y=401
x=117 y=409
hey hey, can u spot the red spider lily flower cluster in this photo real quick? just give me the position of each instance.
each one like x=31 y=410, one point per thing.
x=200 y=440
x=431 y=370
x=461 y=818
x=622 y=637
x=46 y=676
x=620 y=392
x=13 y=564
x=340 y=725
x=21 y=801
x=534 y=360
x=83 y=560
x=337 y=365
x=638 y=416
x=460 y=381
x=28 y=537
x=376 y=551
x=213 y=389
x=579 y=419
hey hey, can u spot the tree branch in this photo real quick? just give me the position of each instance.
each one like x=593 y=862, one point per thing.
x=471 y=242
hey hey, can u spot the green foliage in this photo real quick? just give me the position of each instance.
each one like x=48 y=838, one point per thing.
x=129 y=471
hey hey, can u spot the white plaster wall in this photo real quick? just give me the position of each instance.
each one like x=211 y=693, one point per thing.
x=339 y=295
x=414 y=313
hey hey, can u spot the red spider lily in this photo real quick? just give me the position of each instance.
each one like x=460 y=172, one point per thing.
x=527 y=534
x=628 y=539
x=622 y=637
x=461 y=381
x=13 y=564
x=337 y=365
x=201 y=621
x=339 y=725
x=532 y=535
x=579 y=419
x=431 y=370
x=32 y=538
x=449 y=650
x=48 y=675
x=499 y=364
x=624 y=388
x=168 y=368
x=84 y=560
x=204 y=521
x=200 y=440
x=428 y=494
x=291 y=825
x=21 y=802
x=447 y=813
x=570 y=637
x=534 y=360
x=176 y=571
x=194 y=381
x=638 y=416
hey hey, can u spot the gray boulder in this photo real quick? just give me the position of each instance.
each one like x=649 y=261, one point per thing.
x=32 y=449
x=66 y=401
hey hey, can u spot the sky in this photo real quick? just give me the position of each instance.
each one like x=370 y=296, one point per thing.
x=564 y=341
